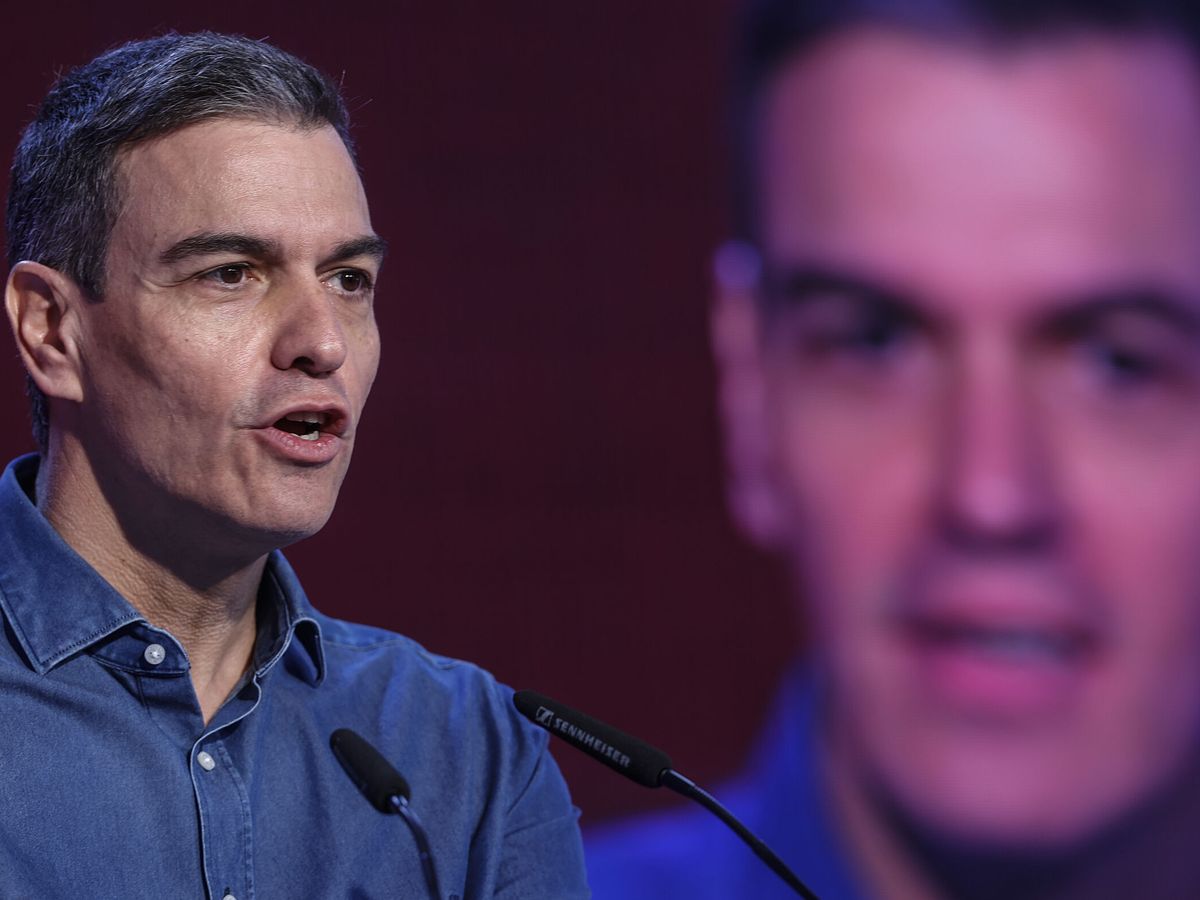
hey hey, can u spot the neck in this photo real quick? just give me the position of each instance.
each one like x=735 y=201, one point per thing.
x=206 y=600
x=902 y=860
x=879 y=856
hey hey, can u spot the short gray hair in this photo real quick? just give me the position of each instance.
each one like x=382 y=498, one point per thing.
x=64 y=193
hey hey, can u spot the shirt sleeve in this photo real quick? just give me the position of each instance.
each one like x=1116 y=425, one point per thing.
x=530 y=847
x=543 y=851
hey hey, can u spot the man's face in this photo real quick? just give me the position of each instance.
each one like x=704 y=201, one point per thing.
x=228 y=362
x=976 y=402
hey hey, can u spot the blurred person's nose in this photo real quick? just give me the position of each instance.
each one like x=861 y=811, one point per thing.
x=996 y=491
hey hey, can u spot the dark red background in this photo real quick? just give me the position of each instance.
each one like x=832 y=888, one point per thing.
x=538 y=483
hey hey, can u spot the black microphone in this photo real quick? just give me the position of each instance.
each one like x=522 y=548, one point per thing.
x=617 y=750
x=386 y=789
x=646 y=765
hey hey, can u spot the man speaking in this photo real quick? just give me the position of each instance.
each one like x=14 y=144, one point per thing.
x=192 y=276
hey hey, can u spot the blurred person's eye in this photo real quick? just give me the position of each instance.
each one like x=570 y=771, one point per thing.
x=1126 y=367
x=850 y=330
x=1132 y=357
x=843 y=329
x=1126 y=354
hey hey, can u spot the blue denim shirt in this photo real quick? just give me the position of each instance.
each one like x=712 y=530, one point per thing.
x=111 y=785
x=689 y=854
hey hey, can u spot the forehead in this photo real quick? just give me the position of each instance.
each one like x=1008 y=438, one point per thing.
x=237 y=176
x=995 y=173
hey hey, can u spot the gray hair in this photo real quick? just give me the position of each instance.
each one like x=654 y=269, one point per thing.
x=64 y=193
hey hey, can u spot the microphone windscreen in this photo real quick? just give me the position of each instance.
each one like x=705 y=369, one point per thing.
x=367 y=768
x=617 y=750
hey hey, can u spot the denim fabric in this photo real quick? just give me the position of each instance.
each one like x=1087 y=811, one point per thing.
x=112 y=786
x=689 y=854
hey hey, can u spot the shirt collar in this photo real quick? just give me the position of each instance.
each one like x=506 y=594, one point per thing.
x=58 y=605
x=295 y=624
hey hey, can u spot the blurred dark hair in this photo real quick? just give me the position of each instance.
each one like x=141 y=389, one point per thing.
x=773 y=32
x=64 y=192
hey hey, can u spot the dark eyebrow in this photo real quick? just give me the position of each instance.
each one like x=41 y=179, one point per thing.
x=1088 y=311
x=209 y=243
x=788 y=288
x=785 y=288
x=368 y=245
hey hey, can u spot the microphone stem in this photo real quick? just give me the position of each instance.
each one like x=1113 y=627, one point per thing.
x=400 y=805
x=688 y=788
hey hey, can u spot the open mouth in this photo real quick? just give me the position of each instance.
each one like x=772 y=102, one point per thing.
x=1001 y=669
x=307 y=426
x=1012 y=645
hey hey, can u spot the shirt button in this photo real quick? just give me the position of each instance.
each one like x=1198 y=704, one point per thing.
x=155 y=654
x=207 y=763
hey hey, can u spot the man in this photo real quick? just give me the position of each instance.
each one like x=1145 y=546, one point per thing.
x=960 y=360
x=193 y=269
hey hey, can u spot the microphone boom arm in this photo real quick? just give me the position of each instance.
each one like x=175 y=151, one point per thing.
x=681 y=784
x=646 y=765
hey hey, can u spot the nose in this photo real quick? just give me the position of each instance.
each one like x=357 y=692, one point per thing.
x=997 y=488
x=310 y=334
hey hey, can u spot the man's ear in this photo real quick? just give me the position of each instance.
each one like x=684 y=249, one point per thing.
x=742 y=395
x=43 y=310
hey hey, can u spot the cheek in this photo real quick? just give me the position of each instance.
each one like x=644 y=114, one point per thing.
x=1135 y=535
x=366 y=359
x=856 y=478
x=166 y=379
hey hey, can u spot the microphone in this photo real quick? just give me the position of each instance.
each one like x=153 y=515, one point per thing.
x=617 y=750
x=646 y=765
x=387 y=791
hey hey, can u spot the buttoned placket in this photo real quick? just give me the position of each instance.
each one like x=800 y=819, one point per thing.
x=226 y=825
x=219 y=793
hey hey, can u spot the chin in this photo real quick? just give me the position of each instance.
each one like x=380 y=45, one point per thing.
x=1009 y=821
x=295 y=510
x=261 y=530
x=285 y=533
x=1003 y=800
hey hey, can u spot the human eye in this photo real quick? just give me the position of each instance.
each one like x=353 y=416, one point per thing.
x=1125 y=367
x=1134 y=374
x=1130 y=355
x=870 y=336
x=847 y=330
x=230 y=275
x=352 y=282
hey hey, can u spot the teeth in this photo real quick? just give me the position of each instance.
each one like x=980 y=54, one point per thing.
x=1016 y=644
x=305 y=425
x=1012 y=644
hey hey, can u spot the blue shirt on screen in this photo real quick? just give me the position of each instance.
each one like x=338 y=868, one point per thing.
x=689 y=854
x=112 y=785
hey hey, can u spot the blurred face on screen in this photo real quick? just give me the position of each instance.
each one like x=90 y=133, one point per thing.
x=964 y=399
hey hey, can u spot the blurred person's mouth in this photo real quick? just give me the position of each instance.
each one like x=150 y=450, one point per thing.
x=1003 y=649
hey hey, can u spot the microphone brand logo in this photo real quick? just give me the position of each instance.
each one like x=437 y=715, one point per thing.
x=585 y=740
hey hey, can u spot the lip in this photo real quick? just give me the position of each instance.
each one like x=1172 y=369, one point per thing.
x=1004 y=652
x=332 y=440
